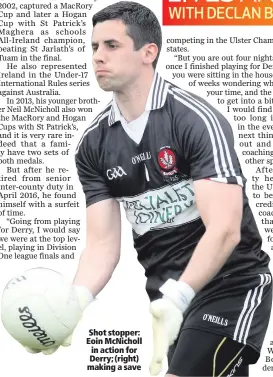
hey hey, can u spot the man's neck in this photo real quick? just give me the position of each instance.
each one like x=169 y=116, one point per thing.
x=132 y=101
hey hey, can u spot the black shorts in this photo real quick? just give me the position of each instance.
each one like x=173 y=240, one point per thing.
x=237 y=308
x=207 y=354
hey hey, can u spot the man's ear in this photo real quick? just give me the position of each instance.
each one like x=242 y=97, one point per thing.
x=150 y=52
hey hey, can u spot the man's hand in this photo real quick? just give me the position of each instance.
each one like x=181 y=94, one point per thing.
x=167 y=317
x=167 y=320
x=84 y=298
x=50 y=351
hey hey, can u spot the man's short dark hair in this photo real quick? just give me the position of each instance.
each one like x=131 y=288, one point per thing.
x=142 y=25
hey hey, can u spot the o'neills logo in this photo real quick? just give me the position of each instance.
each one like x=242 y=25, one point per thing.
x=214 y=319
x=14 y=281
x=30 y=323
x=233 y=370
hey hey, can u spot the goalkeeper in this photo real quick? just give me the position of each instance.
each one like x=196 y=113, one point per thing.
x=168 y=156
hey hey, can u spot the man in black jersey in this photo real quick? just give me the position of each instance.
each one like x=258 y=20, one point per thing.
x=168 y=156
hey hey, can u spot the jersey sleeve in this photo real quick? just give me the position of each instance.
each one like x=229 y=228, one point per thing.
x=93 y=183
x=208 y=145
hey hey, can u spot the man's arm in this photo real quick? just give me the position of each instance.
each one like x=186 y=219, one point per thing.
x=102 y=252
x=220 y=206
x=100 y=257
x=207 y=143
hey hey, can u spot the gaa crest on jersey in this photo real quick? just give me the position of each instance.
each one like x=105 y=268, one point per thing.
x=167 y=162
x=166 y=159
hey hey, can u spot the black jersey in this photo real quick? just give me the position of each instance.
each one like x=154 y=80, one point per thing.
x=185 y=139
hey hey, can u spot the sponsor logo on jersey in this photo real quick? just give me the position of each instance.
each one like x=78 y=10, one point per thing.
x=141 y=157
x=115 y=173
x=171 y=205
x=214 y=319
x=233 y=370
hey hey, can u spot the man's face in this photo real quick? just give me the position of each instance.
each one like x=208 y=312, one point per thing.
x=116 y=63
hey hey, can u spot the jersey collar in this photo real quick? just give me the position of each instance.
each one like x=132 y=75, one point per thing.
x=156 y=99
